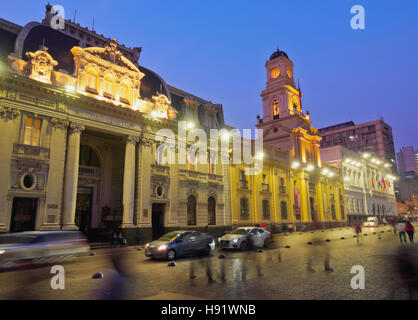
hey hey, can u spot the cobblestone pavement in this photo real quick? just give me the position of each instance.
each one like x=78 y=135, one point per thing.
x=291 y=269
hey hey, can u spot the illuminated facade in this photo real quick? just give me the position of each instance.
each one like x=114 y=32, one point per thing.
x=368 y=183
x=79 y=116
x=294 y=187
x=77 y=133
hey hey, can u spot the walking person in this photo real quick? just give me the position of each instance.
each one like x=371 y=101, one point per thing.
x=358 y=231
x=401 y=230
x=409 y=228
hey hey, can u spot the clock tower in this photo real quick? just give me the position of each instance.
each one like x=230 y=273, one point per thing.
x=284 y=124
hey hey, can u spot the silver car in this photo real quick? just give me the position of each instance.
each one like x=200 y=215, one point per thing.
x=40 y=247
x=245 y=237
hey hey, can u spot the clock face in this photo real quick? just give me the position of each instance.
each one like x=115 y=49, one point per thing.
x=275 y=72
x=289 y=73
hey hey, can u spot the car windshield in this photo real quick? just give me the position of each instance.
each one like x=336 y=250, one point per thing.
x=371 y=219
x=16 y=239
x=169 y=236
x=241 y=231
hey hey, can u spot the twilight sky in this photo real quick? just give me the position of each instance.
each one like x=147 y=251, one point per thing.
x=217 y=50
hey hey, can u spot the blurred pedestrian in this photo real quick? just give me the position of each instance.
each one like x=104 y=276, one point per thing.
x=115 y=241
x=121 y=240
x=400 y=226
x=409 y=228
x=204 y=262
x=357 y=229
x=393 y=224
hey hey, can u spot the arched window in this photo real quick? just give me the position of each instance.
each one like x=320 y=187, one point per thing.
x=245 y=209
x=275 y=106
x=283 y=209
x=342 y=213
x=191 y=210
x=266 y=209
x=88 y=157
x=211 y=211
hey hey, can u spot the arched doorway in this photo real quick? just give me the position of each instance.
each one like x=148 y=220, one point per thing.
x=191 y=210
x=157 y=220
x=211 y=211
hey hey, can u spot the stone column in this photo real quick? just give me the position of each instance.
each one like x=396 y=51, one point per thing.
x=129 y=182
x=71 y=176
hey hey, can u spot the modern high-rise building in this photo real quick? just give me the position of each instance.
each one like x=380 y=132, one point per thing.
x=407 y=159
x=374 y=136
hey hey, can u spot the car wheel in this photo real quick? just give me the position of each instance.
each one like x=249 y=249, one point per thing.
x=171 y=255
x=244 y=246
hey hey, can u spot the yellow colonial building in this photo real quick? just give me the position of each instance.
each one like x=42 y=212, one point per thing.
x=293 y=186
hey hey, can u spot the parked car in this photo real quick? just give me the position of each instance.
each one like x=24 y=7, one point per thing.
x=40 y=247
x=372 y=222
x=180 y=244
x=244 y=237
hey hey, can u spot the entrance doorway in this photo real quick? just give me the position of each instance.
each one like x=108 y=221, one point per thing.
x=23 y=214
x=157 y=220
x=83 y=209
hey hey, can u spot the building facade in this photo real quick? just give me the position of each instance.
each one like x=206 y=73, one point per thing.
x=77 y=135
x=407 y=159
x=368 y=183
x=293 y=186
x=374 y=136
x=80 y=134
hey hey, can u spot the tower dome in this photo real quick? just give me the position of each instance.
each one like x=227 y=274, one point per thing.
x=278 y=53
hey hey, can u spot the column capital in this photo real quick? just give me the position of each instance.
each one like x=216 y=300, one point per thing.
x=132 y=140
x=9 y=113
x=59 y=123
x=76 y=127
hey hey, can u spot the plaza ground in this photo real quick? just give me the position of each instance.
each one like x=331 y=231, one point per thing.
x=277 y=273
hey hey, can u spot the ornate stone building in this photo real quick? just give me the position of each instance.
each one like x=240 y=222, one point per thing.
x=77 y=132
x=368 y=183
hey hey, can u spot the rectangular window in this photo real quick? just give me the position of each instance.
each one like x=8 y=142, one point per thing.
x=91 y=82
x=266 y=209
x=108 y=88
x=32 y=131
x=245 y=210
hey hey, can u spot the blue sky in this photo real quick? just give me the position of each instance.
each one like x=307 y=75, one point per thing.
x=217 y=50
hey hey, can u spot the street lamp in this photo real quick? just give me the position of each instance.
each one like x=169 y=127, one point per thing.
x=295 y=165
x=310 y=167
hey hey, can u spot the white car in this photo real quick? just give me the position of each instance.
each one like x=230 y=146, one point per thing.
x=371 y=222
x=245 y=237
